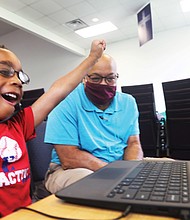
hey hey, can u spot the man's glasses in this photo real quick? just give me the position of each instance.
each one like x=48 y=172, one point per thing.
x=97 y=79
x=8 y=71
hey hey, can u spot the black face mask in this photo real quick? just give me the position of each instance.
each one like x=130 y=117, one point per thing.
x=100 y=94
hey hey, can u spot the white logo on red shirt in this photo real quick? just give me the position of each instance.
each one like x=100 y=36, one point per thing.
x=9 y=150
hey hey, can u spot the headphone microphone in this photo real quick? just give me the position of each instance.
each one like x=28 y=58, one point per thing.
x=18 y=107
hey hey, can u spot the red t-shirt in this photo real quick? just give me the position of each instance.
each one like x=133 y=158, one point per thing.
x=14 y=161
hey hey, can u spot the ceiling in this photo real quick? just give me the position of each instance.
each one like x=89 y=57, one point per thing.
x=47 y=18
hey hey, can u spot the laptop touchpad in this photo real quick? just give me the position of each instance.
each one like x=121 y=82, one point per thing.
x=110 y=173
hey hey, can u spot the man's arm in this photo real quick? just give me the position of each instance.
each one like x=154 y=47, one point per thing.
x=63 y=86
x=72 y=157
x=133 y=151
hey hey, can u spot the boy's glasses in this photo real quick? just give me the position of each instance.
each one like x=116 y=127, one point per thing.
x=97 y=79
x=8 y=71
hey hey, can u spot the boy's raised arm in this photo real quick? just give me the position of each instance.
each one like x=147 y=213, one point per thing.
x=64 y=85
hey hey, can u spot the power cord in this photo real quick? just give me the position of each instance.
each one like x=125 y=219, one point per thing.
x=124 y=214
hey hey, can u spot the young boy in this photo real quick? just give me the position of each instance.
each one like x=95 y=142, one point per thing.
x=17 y=127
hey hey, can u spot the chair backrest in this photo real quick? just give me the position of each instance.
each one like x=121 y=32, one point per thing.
x=39 y=154
x=178 y=104
x=138 y=89
x=176 y=85
x=177 y=99
x=177 y=95
x=30 y=96
x=148 y=122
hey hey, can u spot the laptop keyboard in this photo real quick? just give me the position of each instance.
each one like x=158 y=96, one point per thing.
x=155 y=181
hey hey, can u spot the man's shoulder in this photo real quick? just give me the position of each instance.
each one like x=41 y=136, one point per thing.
x=75 y=94
x=124 y=96
x=79 y=89
x=72 y=101
x=126 y=102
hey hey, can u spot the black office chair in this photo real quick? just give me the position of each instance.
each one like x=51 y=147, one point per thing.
x=177 y=99
x=148 y=121
x=40 y=156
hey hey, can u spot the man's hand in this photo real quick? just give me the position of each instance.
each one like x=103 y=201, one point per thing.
x=97 y=48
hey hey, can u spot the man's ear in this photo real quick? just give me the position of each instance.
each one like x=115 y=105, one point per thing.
x=84 y=79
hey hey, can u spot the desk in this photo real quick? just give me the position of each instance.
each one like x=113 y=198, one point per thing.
x=57 y=207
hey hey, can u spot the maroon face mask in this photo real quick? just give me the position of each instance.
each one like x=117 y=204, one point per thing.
x=100 y=94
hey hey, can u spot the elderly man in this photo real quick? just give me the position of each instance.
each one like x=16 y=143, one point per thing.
x=93 y=126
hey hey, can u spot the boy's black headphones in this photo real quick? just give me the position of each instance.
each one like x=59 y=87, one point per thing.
x=18 y=107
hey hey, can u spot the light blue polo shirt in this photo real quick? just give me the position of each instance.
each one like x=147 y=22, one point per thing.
x=77 y=121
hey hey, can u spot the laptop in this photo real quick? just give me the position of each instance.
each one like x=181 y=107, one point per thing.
x=151 y=187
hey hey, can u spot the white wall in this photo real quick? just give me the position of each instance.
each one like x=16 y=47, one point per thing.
x=41 y=60
x=164 y=58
